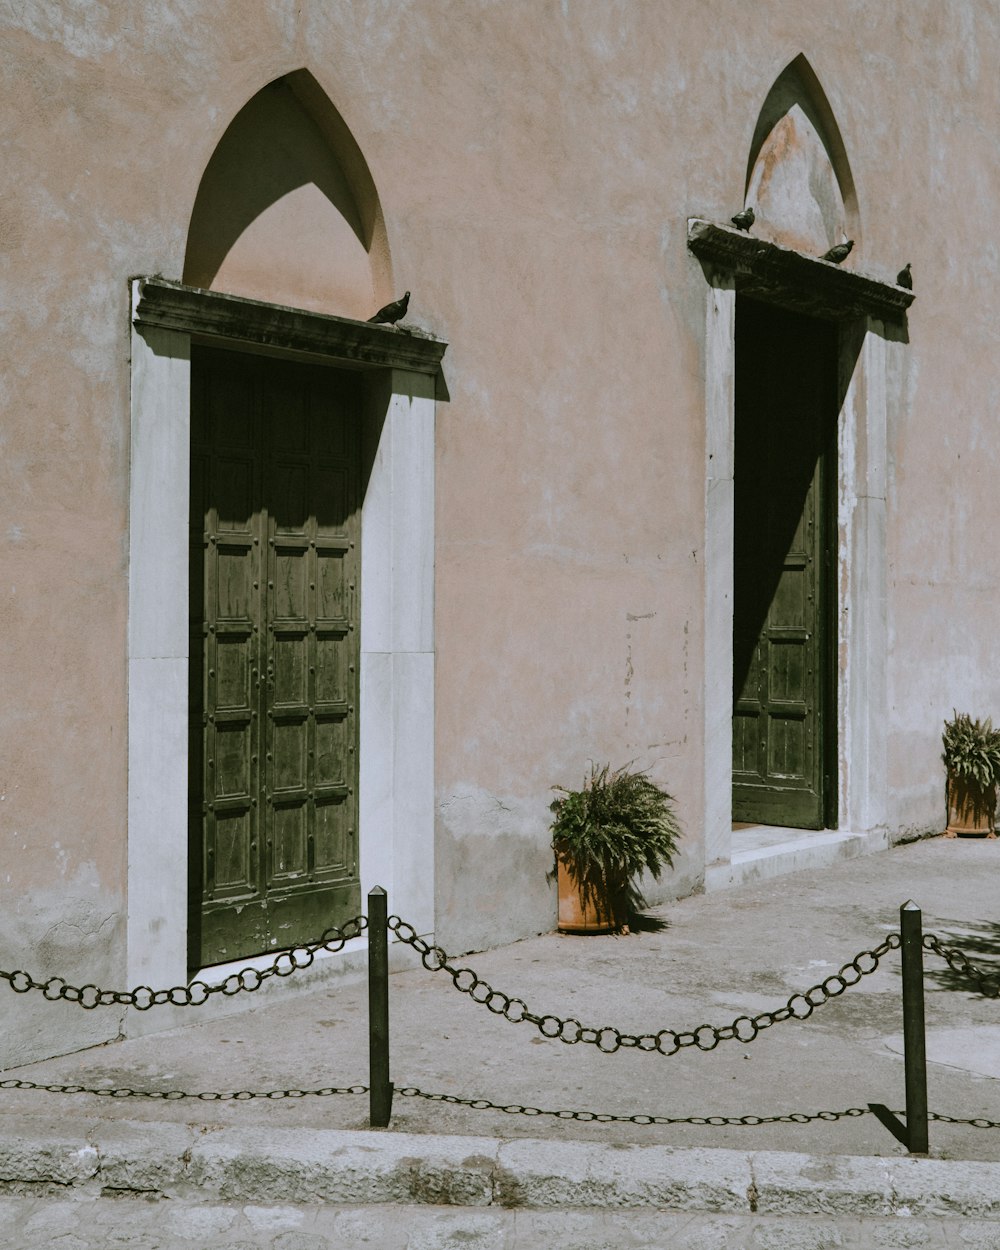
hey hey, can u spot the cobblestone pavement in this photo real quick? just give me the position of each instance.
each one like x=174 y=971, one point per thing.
x=105 y=1223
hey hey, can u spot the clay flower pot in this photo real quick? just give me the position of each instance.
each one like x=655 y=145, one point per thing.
x=971 y=809
x=575 y=914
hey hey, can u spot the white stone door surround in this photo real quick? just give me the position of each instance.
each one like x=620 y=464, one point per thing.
x=396 y=783
x=871 y=314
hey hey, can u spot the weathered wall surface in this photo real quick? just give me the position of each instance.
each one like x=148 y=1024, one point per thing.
x=536 y=163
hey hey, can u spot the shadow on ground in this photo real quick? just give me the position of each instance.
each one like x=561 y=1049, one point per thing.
x=642 y=922
x=979 y=942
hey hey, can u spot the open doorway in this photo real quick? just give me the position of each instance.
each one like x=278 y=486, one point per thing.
x=785 y=561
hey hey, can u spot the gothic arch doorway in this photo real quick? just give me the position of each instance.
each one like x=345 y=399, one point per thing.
x=286 y=212
x=303 y=765
x=799 y=182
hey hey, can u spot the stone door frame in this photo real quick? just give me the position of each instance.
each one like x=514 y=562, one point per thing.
x=396 y=782
x=872 y=318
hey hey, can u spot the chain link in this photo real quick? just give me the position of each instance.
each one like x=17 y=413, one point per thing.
x=608 y=1039
x=475 y=1104
x=987 y=983
x=195 y=993
x=174 y=1095
x=598 y=1117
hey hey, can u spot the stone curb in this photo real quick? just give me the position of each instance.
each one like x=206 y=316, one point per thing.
x=286 y=1166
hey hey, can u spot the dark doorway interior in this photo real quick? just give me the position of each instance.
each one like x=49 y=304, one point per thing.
x=784 y=692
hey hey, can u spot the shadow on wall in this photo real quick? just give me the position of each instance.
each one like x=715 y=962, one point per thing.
x=798 y=175
x=287 y=210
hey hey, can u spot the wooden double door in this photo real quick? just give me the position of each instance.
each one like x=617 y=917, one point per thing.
x=785 y=537
x=274 y=593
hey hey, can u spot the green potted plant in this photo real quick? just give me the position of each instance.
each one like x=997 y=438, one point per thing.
x=972 y=758
x=605 y=836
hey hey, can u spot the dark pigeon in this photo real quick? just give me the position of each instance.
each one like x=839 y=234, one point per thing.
x=393 y=312
x=838 y=253
x=904 y=277
x=744 y=220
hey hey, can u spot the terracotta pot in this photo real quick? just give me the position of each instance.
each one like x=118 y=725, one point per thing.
x=971 y=812
x=574 y=915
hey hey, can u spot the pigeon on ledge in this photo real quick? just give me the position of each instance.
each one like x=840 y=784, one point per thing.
x=392 y=313
x=838 y=253
x=744 y=220
x=904 y=277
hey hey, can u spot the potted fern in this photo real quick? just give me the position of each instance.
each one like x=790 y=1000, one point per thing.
x=619 y=825
x=972 y=758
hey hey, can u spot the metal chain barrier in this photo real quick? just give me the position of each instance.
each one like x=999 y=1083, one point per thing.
x=597 y=1117
x=987 y=983
x=909 y=939
x=600 y=1117
x=608 y=1039
x=478 y=1104
x=196 y=993
x=174 y=1095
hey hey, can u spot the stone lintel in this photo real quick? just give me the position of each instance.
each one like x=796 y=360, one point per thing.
x=802 y=283
x=191 y=310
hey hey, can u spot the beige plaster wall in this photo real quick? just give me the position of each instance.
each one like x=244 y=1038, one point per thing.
x=536 y=162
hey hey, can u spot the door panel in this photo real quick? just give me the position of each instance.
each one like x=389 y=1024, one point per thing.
x=785 y=440
x=275 y=525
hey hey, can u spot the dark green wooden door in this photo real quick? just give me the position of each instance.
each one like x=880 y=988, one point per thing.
x=784 y=543
x=275 y=547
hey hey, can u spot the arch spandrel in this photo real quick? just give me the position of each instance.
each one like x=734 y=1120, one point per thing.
x=798 y=177
x=287 y=211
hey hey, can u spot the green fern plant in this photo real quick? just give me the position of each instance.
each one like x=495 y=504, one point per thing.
x=972 y=750
x=607 y=834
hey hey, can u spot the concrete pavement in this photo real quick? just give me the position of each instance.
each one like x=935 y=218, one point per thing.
x=719 y=956
x=166 y=1186
x=161 y=1224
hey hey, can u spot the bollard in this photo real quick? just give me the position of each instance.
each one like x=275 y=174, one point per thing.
x=379 y=1085
x=914 y=1048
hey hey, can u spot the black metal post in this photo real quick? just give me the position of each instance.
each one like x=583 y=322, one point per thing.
x=379 y=1085
x=914 y=1048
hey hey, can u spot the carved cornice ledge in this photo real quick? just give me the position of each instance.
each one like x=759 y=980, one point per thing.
x=803 y=283
x=191 y=310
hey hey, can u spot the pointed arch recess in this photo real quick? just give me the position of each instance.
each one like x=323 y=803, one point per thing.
x=798 y=176
x=287 y=210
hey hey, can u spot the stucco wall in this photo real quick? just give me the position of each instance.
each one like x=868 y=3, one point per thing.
x=536 y=163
